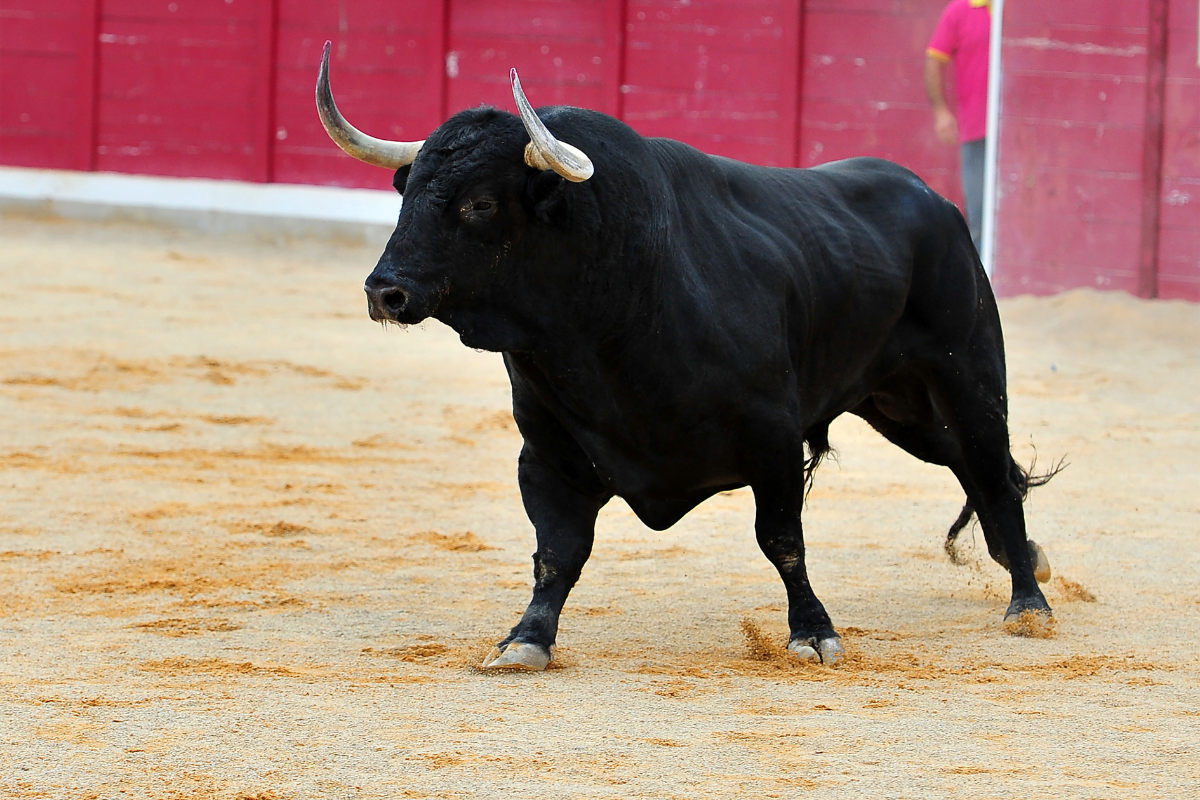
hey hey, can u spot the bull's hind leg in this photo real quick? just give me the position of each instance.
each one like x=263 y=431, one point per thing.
x=564 y=518
x=970 y=395
x=778 y=499
x=902 y=411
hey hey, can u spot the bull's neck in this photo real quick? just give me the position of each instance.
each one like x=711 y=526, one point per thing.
x=613 y=299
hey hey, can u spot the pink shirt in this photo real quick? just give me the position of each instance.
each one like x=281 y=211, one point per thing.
x=962 y=35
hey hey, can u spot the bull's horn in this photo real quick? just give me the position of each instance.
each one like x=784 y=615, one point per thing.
x=543 y=150
x=378 y=152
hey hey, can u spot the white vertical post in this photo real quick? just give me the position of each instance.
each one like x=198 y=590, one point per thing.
x=992 y=150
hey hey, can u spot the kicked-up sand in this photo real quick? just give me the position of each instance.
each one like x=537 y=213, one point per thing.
x=253 y=546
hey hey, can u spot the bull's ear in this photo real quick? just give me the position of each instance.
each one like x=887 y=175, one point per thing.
x=400 y=179
x=546 y=196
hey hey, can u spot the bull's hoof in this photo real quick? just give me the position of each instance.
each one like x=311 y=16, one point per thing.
x=1035 y=604
x=1030 y=624
x=1041 y=564
x=518 y=656
x=828 y=651
x=1031 y=618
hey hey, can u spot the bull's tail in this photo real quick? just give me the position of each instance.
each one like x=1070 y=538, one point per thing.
x=1025 y=479
x=817 y=442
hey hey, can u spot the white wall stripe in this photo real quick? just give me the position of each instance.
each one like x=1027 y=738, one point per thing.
x=275 y=200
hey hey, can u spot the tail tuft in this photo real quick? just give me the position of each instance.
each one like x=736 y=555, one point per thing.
x=964 y=519
x=817 y=442
x=1026 y=479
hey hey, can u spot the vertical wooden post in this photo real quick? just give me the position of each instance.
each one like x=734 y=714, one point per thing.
x=1152 y=148
x=789 y=107
x=443 y=67
x=263 y=170
x=798 y=108
x=89 y=86
x=614 y=56
x=622 y=33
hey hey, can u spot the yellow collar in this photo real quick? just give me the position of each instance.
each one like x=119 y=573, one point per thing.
x=981 y=4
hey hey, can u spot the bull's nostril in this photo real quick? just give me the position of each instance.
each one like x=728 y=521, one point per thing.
x=386 y=303
x=393 y=299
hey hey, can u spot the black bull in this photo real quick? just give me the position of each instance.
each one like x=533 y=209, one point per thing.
x=682 y=324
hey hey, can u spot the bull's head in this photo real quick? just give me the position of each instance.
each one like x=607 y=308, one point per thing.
x=479 y=193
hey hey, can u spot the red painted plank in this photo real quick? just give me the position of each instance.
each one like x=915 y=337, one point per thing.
x=1082 y=98
x=183 y=11
x=47 y=52
x=1076 y=49
x=1088 y=195
x=387 y=74
x=34 y=94
x=1179 y=221
x=1078 y=146
x=32 y=34
x=844 y=33
x=1070 y=196
x=865 y=80
x=538 y=20
x=1082 y=14
x=567 y=53
x=565 y=66
x=892 y=8
x=1179 y=263
x=180 y=88
x=720 y=75
x=1052 y=254
x=14 y=9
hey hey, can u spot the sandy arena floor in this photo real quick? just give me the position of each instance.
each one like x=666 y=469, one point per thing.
x=252 y=546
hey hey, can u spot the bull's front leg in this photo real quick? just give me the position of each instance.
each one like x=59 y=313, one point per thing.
x=564 y=517
x=781 y=537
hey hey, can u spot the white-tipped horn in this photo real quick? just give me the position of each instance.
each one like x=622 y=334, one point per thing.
x=543 y=150
x=379 y=152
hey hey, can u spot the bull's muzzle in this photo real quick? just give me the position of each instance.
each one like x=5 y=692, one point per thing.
x=394 y=299
x=386 y=303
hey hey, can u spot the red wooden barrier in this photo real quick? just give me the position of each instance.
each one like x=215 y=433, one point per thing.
x=183 y=89
x=1071 y=181
x=224 y=88
x=568 y=53
x=47 y=96
x=720 y=75
x=1179 y=219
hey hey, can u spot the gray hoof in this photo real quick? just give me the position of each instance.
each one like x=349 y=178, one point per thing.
x=518 y=656
x=1031 y=623
x=827 y=651
x=803 y=651
x=1041 y=564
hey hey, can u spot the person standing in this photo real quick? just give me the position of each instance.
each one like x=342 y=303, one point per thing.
x=963 y=36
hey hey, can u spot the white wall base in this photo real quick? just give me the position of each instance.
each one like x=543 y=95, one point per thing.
x=202 y=204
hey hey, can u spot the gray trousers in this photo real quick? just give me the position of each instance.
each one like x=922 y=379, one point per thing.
x=972 y=182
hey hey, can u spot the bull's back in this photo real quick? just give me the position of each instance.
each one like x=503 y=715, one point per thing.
x=832 y=267
x=863 y=221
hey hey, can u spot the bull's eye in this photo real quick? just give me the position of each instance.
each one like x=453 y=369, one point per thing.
x=479 y=209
